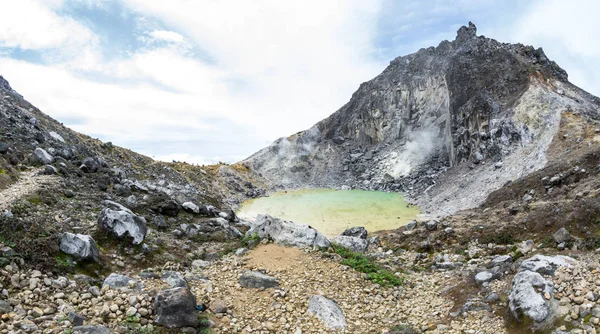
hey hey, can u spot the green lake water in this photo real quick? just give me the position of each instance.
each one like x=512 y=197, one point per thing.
x=332 y=211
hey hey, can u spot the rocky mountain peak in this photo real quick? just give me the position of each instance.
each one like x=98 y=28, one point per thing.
x=471 y=102
x=465 y=33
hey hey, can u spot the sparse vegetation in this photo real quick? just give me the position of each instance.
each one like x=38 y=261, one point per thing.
x=363 y=264
x=502 y=238
x=247 y=238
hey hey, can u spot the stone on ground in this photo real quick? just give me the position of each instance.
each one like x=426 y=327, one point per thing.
x=42 y=156
x=117 y=281
x=328 y=311
x=352 y=243
x=122 y=222
x=257 y=280
x=80 y=246
x=524 y=299
x=174 y=279
x=176 y=308
x=546 y=264
x=357 y=232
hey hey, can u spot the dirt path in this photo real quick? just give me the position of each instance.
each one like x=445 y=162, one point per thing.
x=28 y=183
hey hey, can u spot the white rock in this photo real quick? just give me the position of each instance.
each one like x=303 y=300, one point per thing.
x=328 y=311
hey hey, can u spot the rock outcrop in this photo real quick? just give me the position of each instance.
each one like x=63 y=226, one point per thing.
x=287 y=233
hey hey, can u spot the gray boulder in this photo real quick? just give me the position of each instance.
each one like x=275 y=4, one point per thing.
x=354 y=244
x=501 y=260
x=174 y=279
x=3 y=148
x=524 y=301
x=287 y=233
x=199 y=264
x=257 y=280
x=80 y=246
x=56 y=136
x=5 y=307
x=546 y=264
x=122 y=222
x=328 y=311
x=484 y=276
x=411 y=225
x=562 y=235
x=89 y=165
x=472 y=305
x=176 y=308
x=91 y=330
x=49 y=170
x=357 y=232
x=191 y=207
x=431 y=225
x=42 y=156
x=117 y=281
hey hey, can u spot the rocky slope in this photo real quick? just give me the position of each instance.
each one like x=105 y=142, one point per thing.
x=472 y=108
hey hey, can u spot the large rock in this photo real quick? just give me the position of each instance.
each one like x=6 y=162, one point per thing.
x=287 y=233
x=484 y=276
x=176 y=308
x=524 y=301
x=117 y=281
x=89 y=165
x=191 y=207
x=257 y=280
x=352 y=243
x=3 y=148
x=174 y=279
x=357 y=232
x=328 y=311
x=42 y=156
x=168 y=208
x=80 y=246
x=546 y=264
x=56 y=136
x=122 y=222
x=562 y=235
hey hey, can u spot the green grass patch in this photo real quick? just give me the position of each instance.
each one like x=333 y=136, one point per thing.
x=35 y=199
x=248 y=238
x=204 y=325
x=363 y=264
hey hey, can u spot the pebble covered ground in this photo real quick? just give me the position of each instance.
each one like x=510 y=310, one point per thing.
x=435 y=300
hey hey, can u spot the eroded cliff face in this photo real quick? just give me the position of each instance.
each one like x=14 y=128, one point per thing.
x=472 y=103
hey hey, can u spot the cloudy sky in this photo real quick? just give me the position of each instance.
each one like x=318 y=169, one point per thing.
x=210 y=80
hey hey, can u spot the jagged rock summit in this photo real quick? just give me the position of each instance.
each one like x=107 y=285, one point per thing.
x=471 y=106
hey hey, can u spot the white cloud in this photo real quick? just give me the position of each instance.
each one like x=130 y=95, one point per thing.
x=292 y=63
x=30 y=25
x=167 y=36
x=273 y=69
